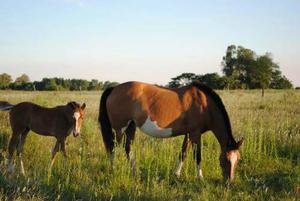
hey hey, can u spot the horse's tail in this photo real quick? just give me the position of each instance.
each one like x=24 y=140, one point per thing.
x=105 y=124
x=4 y=106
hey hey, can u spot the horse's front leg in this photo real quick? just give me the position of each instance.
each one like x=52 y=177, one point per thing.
x=197 y=156
x=185 y=146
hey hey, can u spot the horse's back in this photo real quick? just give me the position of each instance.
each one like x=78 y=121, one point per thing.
x=25 y=108
x=140 y=101
x=20 y=115
x=40 y=119
x=123 y=102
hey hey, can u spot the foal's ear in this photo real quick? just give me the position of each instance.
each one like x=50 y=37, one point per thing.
x=239 y=143
x=83 y=106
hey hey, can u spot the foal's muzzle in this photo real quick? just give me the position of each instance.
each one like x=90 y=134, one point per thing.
x=76 y=134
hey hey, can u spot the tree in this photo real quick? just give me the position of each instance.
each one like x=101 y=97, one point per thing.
x=49 y=84
x=213 y=80
x=108 y=84
x=246 y=59
x=242 y=68
x=83 y=84
x=229 y=60
x=235 y=65
x=75 y=85
x=5 y=81
x=262 y=73
x=60 y=83
x=29 y=86
x=279 y=81
x=182 y=80
x=95 y=85
x=23 y=83
x=22 y=79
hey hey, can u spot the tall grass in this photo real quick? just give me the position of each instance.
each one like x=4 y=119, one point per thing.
x=269 y=169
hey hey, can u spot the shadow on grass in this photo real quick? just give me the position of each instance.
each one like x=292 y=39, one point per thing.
x=290 y=152
x=22 y=188
x=277 y=181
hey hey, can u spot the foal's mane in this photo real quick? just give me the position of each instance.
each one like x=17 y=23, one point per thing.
x=209 y=91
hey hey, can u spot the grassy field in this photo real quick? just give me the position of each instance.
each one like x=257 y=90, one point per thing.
x=269 y=169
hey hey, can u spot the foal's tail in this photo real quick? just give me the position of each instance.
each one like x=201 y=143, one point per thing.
x=103 y=119
x=5 y=106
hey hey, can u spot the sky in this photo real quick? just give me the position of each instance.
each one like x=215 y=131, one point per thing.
x=150 y=41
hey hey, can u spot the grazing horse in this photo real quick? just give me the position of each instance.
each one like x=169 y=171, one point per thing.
x=59 y=122
x=161 y=112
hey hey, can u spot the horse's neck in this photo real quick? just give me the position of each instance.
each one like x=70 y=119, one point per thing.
x=221 y=131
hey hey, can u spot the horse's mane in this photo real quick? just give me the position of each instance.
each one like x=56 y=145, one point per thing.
x=209 y=91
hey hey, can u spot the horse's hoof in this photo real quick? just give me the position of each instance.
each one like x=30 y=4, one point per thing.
x=200 y=178
x=23 y=173
x=11 y=169
x=177 y=174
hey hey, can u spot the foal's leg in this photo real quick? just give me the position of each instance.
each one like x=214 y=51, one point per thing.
x=11 y=150
x=63 y=148
x=130 y=134
x=20 y=149
x=185 y=146
x=54 y=151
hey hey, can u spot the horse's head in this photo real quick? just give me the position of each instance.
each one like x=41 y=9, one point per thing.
x=78 y=114
x=229 y=160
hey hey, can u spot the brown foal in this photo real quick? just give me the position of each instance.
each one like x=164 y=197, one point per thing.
x=59 y=122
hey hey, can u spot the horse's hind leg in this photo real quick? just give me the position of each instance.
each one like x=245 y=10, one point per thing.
x=185 y=146
x=20 y=148
x=119 y=136
x=130 y=134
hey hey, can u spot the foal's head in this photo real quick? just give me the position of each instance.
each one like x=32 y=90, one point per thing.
x=78 y=114
x=230 y=159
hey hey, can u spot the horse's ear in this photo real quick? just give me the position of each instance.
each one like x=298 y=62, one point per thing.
x=239 y=143
x=83 y=106
x=72 y=105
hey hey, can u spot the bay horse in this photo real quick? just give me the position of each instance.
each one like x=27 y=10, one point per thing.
x=162 y=112
x=59 y=122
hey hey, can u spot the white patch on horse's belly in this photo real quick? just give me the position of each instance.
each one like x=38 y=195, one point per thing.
x=151 y=128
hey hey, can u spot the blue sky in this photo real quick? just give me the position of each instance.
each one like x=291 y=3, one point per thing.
x=150 y=41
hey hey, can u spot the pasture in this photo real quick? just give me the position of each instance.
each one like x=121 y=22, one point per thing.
x=269 y=169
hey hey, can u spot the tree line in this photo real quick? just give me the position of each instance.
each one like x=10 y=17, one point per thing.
x=242 y=69
x=52 y=84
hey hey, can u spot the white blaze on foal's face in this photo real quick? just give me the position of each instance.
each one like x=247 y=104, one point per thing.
x=77 y=116
x=151 y=128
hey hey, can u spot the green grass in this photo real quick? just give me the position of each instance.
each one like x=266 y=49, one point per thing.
x=269 y=169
